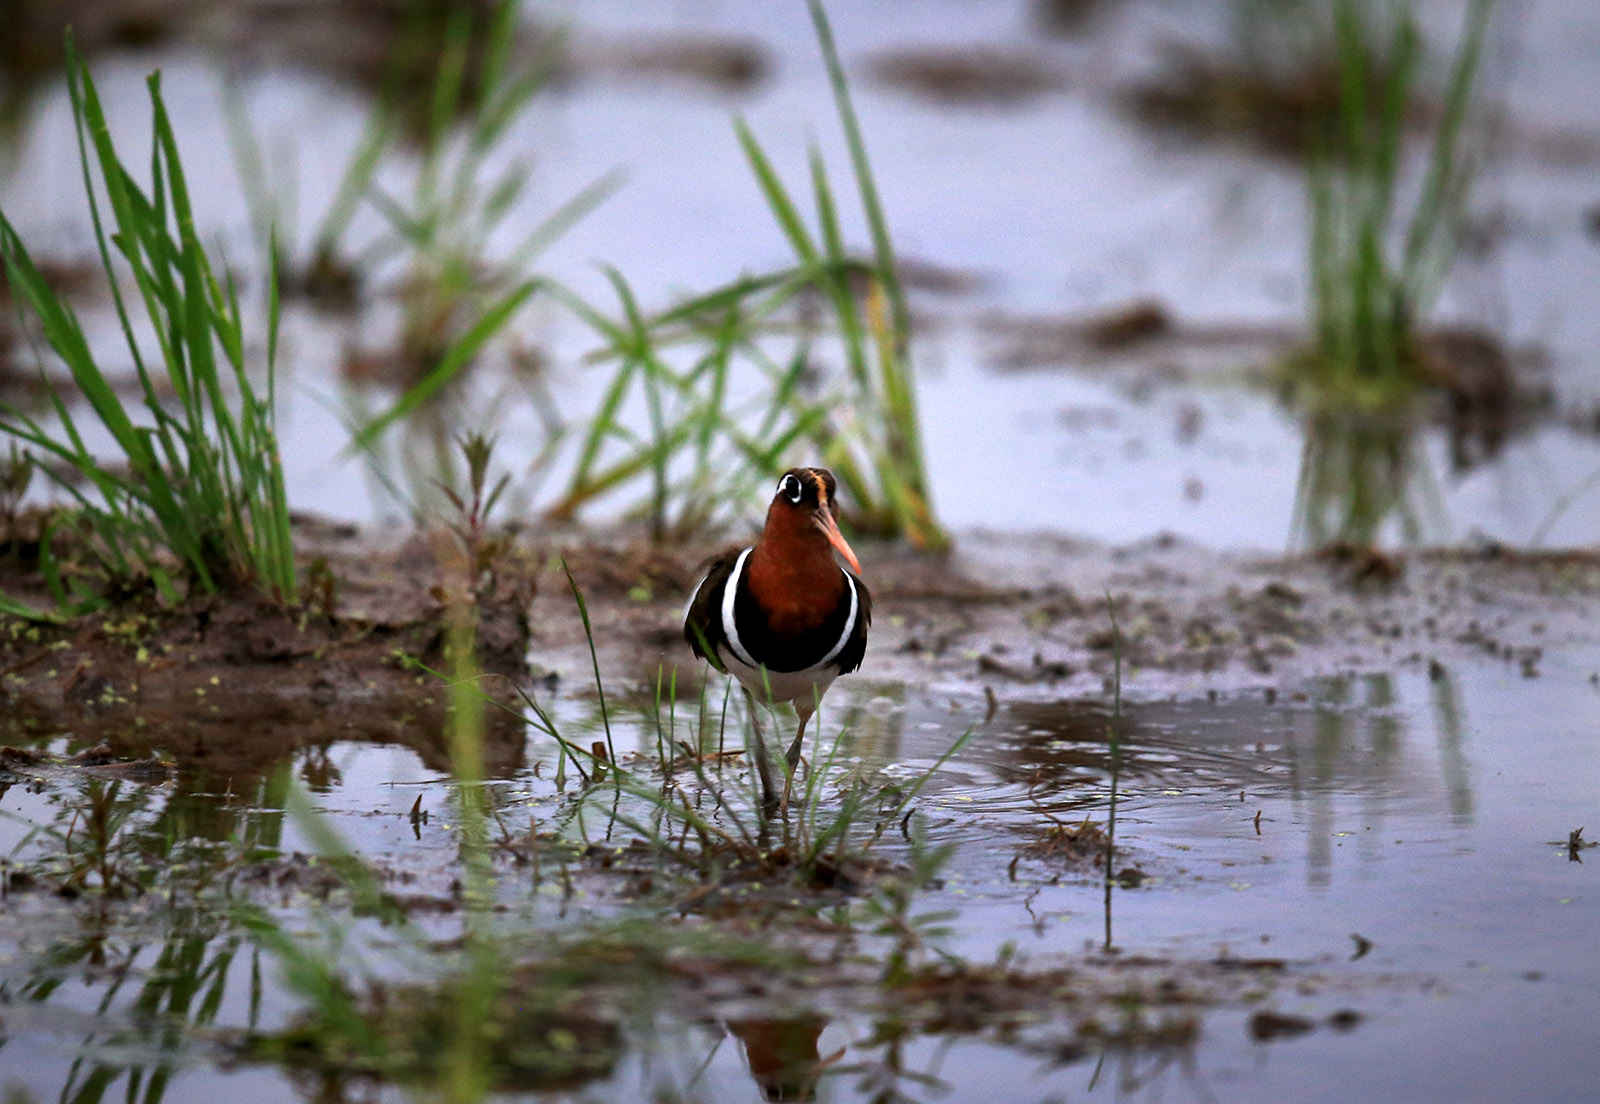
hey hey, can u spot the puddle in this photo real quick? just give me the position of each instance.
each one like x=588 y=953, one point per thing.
x=1385 y=855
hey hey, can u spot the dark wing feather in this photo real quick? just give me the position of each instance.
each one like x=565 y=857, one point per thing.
x=855 y=649
x=702 y=625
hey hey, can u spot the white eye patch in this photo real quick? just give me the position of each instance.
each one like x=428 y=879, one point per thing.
x=789 y=487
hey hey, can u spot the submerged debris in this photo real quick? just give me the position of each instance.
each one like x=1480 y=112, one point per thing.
x=1576 y=845
x=99 y=761
x=1082 y=844
x=1266 y=1026
x=968 y=75
x=1068 y=18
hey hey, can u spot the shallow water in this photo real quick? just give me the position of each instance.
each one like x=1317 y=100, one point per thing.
x=1424 y=813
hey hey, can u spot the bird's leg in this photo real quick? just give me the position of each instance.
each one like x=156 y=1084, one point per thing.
x=769 y=797
x=792 y=756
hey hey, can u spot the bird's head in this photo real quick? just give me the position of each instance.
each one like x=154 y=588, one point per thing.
x=804 y=513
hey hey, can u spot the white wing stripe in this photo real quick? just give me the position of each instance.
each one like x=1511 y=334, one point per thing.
x=849 y=624
x=729 y=628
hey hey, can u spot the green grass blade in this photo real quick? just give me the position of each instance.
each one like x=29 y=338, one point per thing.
x=490 y=323
x=777 y=196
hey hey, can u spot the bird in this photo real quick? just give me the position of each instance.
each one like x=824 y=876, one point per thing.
x=782 y=616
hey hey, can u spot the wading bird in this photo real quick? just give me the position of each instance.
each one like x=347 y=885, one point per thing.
x=782 y=616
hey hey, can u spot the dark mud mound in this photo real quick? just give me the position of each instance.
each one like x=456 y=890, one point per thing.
x=232 y=684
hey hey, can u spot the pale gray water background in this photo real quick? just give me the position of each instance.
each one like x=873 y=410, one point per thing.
x=1059 y=203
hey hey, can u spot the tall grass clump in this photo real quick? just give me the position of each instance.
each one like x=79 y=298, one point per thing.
x=458 y=239
x=455 y=290
x=863 y=424
x=459 y=290
x=196 y=494
x=1382 y=244
x=877 y=454
x=704 y=448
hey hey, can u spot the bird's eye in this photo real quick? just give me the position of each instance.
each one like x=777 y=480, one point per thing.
x=789 y=487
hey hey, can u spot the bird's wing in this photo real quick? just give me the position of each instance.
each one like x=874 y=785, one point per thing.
x=702 y=621
x=855 y=649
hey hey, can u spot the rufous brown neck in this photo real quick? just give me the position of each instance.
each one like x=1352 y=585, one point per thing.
x=792 y=572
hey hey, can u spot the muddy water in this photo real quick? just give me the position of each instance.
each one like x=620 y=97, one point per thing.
x=1384 y=854
x=1410 y=812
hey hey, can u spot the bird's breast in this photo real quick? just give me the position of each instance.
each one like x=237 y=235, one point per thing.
x=795 y=596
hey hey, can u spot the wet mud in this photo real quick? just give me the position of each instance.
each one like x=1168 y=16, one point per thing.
x=237 y=677
x=232 y=684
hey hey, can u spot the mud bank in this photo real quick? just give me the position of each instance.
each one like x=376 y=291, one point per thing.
x=1018 y=617
x=1031 y=616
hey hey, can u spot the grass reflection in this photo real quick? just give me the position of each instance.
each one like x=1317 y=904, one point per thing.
x=1363 y=477
x=149 y=957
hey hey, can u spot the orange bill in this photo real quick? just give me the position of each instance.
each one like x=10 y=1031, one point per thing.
x=830 y=529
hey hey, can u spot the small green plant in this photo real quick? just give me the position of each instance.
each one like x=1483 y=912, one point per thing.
x=200 y=485
x=890 y=908
x=97 y=850
x=865 y=427
x=1379 y=250
x=16 y=476
x=818 y=839
x=482 y=549
x=458 y=292
x=1114 y=739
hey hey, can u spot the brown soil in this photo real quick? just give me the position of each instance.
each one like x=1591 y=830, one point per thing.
x=235 y=684
x=231 y=684
x=1029 y=615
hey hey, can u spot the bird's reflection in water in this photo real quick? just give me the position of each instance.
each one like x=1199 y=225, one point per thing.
x=782 y=1054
